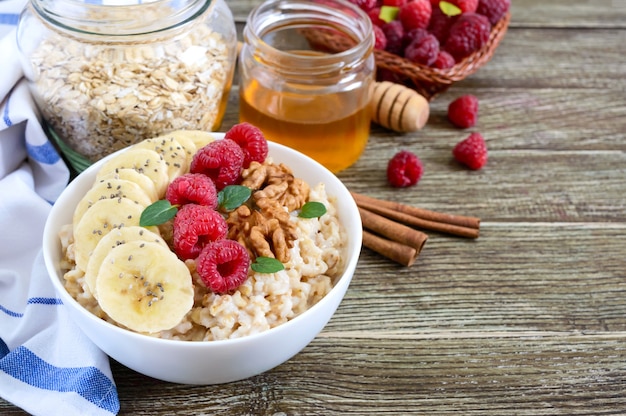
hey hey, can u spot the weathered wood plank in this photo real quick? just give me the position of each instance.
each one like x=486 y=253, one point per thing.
x=526 y=376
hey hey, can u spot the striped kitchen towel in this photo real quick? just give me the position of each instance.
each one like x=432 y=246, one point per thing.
x=47 y=366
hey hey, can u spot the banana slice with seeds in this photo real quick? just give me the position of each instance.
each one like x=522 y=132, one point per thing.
x=103 y=216
x=145 y=161
x=110 y=189
x=134 y=176
x=183 y=139
x=144 y=287
x=174 y=154
x=199 y=138
x=111 y=240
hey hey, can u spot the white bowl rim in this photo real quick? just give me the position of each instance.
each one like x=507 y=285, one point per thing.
x=348 y=271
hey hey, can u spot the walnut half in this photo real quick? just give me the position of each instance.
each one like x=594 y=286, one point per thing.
x=265 y=227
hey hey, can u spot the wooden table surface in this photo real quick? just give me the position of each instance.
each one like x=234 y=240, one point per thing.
x=529 y=319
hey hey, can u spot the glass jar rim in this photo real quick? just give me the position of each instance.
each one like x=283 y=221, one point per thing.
x=119 y=20
x=339 y=15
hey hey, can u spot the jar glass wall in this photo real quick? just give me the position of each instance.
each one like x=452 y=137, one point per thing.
x=298 y=95
x=107 y=76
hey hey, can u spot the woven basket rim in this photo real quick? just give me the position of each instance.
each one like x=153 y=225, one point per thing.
x=426 y=80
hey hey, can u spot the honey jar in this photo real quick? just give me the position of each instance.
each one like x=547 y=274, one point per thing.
x=300 y=95
x=106 y=75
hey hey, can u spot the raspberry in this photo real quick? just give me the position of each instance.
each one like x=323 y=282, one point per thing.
x=423 y=51
x=374 y=15
x=444 y=60
x=463 y=112
x=223 y=265
x=251 y=140
x=440 y=24
x=364 y=4
x=192 y=188
x=404 y=169
x=415 y=14
x=380 y=38
x=471 y=152
x=394 y=3
x=466 y=6
x=469 y=33
x=394 y=32
x=493 y=9
x=194 y=227
x=221 y=160
x=414 y=35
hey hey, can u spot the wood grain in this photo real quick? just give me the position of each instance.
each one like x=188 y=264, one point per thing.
x=530 y=318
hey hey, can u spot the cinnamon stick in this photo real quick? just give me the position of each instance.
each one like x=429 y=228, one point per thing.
x=400 y=253
x=458 y=225
x=392 y=230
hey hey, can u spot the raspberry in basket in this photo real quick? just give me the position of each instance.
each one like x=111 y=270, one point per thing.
x=221 y=160
x=472 y=151
x=415 y=14
x=394 y=32
x=192 y=188
x=223 y=265
x=194 y=227
x=469 y=33
x=380 y=38
x=404 y=169
x=466 y=6
x=440 y=24
x=463 y=112
x=444 y=60
x=423 y=51
x=251 y=140
x=493 y=9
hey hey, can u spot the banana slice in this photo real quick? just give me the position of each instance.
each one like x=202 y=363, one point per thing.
x=110 y=189
x=174 y=154
x=145 y=161
x=111 y=240
x=199 y=138
x=183 y=138
x=99 y=220
x=134 y=176
x=145 y=287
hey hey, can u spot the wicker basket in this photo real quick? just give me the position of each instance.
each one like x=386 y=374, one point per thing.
x=427 y=81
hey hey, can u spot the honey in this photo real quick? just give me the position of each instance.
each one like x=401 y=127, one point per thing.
x=329 y=128
x=309 y=100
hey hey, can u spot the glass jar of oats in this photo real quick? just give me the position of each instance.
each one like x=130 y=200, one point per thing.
x=107 y=74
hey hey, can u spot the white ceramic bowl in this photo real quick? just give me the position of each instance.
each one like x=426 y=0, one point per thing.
x=209 y=362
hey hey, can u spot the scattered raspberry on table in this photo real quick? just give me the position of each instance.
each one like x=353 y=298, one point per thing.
x=404 y=169
x=471 y=152
x=463 y=112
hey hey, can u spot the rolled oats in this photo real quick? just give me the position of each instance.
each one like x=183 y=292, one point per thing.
x=102 y=97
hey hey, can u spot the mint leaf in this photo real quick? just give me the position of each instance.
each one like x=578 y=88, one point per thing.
x=157 y=213
x=233 y=196
x=449 y=9
x=388 y=13
x=267 y=265
x=312 y=209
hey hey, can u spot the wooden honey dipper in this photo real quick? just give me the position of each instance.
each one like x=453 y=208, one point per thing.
x=398 y=108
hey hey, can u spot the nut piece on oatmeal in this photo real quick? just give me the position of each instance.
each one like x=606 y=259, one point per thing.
x=267 y=229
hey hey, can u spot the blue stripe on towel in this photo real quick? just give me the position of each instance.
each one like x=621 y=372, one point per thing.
x=45 y=153
x=9 y=18
x=89 y=382
x=4 y=348
x=5 y=113
x=32 y=301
